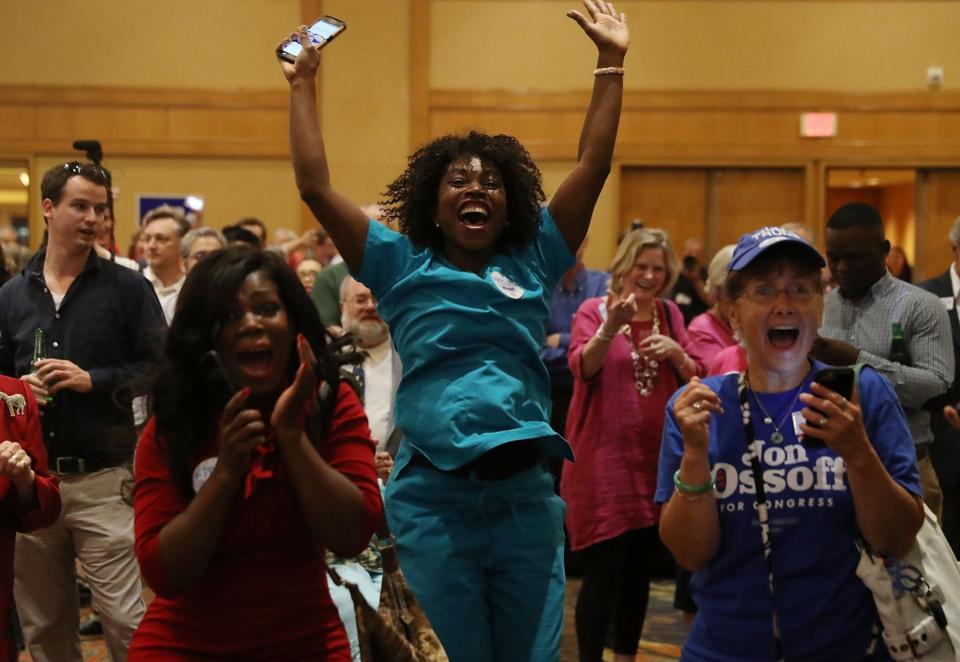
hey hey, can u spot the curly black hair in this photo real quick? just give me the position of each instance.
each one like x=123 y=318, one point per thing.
x=185 y=406
x=411 y=200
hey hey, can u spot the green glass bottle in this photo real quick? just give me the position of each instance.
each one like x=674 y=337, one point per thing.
x=899 y=353
x=39 y=347
x=39 y=351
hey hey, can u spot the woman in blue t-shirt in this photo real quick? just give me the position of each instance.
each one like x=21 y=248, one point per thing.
x=774 y=572
x=466 y=289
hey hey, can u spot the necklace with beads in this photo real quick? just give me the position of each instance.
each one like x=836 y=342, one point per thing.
x=644 y=370
x=776 y=436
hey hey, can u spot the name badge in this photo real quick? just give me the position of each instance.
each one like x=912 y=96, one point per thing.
x=202 y=472
x=797 y=420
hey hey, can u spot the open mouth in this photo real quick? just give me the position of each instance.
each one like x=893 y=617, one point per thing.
x=474 y=216
x=255 y=363
x=783 y=337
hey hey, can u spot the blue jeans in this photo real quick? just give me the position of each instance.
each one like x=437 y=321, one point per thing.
x=485 y=559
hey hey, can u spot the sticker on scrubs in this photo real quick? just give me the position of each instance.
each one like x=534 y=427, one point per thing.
x=506 y=285
x=202 y=472
x=797 y=420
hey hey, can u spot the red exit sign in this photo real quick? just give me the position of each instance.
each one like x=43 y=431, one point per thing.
x=818 y=125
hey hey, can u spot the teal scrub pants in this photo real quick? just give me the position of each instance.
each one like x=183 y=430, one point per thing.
x=484 y=558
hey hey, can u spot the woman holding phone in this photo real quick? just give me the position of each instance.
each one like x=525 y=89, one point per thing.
x=238 y=493
x=465 y=289
x=774 y=568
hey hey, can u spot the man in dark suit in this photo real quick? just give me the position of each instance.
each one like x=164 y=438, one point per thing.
x=945 y=451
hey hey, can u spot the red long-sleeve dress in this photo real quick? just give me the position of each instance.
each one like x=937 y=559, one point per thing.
x=264 y=595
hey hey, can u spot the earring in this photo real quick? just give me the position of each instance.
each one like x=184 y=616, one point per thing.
x=436 y=223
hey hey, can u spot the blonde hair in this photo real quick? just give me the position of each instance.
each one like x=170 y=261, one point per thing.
x=717 y=271
x=634 y=243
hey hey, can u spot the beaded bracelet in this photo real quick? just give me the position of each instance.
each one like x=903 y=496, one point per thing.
x=603 y=335
x=609 y=71
x=693 y=489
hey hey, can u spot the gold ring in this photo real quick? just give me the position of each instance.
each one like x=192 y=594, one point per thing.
x=842 y=403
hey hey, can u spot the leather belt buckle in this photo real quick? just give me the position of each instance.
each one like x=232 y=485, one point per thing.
x=71 y=465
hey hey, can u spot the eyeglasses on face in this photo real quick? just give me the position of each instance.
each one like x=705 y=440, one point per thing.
x=766 y=293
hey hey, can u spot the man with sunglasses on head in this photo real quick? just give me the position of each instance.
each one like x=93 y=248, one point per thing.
x=101 y=325
x=858 y=320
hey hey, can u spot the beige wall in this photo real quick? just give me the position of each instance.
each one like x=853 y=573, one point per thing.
x=223 y=44
x=365 y=96
x=231 y=189
x=851 y=46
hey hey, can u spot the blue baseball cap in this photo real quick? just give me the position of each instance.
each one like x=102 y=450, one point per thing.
x=754 y=244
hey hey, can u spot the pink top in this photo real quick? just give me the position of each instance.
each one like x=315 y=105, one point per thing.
x=707 y=335
x=731 y=359
x=614 y=432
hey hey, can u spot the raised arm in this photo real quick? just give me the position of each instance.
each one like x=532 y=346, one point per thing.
x=572 y=205
x=344 y=220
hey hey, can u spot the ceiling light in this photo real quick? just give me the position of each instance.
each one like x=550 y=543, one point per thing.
x=873 y=181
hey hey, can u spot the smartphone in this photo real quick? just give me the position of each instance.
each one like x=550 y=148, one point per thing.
x=322 y=32
x=838 y=380
x=216 y=378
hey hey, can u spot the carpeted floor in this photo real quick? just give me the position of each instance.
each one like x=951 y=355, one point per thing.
x=663 y=631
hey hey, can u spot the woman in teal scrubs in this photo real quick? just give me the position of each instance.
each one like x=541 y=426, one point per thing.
x=466 y=288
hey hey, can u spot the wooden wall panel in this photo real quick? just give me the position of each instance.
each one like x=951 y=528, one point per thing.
x=747 y=199
x=939 y=202
x=672 y=199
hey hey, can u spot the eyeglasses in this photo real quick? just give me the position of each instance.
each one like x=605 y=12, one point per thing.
x=81 y=168
x=763 y=293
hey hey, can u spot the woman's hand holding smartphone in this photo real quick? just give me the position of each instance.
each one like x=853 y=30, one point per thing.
x=321 y=33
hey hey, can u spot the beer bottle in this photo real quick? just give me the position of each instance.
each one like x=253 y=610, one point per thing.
x=39 y=347
x=39 y=351
x=898 y=346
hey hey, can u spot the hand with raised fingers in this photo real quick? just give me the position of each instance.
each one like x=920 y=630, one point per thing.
x=241 y=430
x=836 y=421
x=620 y=310
x=287 y=412
x=693 y=410
x=306 y=63
x=606 y=27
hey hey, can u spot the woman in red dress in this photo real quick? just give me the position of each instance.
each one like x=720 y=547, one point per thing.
x=236 y=503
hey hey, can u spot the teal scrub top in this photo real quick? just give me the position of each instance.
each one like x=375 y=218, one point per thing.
x=472 y=376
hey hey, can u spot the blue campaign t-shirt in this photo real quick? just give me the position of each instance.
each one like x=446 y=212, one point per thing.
x=472 y=376
x=823 y=609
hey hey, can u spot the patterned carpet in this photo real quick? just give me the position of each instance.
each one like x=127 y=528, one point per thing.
x=663 y=631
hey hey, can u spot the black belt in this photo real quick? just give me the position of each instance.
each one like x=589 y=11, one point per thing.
x=80 y=465
x=498 y=464
x=922 y=451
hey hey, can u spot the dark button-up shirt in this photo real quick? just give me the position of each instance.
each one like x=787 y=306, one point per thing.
x=109 y=324
x=587 y=285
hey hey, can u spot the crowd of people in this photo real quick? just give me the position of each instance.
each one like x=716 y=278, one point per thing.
x=232 y=424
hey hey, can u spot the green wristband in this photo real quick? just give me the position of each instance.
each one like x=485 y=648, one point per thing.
x=693 y=489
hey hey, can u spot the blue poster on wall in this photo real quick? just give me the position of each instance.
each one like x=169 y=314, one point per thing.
x=189 y=205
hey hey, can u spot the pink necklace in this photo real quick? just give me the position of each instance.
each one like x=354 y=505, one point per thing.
x=644 y=371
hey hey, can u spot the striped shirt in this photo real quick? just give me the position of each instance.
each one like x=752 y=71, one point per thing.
x=867 y=325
